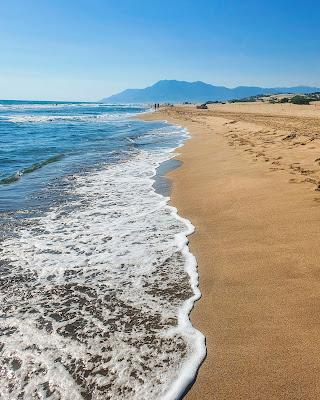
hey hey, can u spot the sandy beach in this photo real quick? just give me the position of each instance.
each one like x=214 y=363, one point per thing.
x=249 y=183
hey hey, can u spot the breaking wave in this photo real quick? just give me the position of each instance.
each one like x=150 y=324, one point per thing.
x=96 y=293
x=33 y=167
x=22 y=119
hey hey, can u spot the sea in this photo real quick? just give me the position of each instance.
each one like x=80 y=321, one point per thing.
x=97 y=281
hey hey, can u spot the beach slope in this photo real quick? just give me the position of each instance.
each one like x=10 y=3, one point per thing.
x=249 y=183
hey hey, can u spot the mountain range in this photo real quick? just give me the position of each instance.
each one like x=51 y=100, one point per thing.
x=173 y=91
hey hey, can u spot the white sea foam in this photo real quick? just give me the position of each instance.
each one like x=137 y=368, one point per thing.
x=58 y=106
x=96 y=298
x=42 y=106
x=20 y=119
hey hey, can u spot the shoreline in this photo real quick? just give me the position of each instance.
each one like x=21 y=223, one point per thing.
x=256 y=218
x=114 y=253
x=162 y=183
x=162 y=186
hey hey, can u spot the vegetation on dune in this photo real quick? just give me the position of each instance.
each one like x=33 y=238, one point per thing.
x=299 y=99
x=249 y=99
x=214 y=102
x=275 y=99
x=314 y=96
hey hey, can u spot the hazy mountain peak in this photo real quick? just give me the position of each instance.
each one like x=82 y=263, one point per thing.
x=175 y=91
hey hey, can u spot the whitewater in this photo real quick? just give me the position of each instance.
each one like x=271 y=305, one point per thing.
x=97 y=281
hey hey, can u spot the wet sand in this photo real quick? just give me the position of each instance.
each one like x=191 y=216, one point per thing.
x=248 y=183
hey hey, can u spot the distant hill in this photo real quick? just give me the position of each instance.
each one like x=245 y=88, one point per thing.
x=173 y=91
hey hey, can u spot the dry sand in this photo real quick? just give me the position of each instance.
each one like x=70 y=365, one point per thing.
x=248 y=184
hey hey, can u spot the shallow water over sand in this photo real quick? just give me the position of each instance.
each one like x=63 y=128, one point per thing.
x=97 y=280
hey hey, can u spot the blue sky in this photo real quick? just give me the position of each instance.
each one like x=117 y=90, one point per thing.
x=88 y=49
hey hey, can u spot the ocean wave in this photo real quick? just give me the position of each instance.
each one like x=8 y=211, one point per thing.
x=96 y=297
x=27 y=170
x=21 y=107
x=42 y=106
x=22 y=119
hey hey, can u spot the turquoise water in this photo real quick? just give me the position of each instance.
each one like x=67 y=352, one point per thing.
x=96 y=277
x=42 y=141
